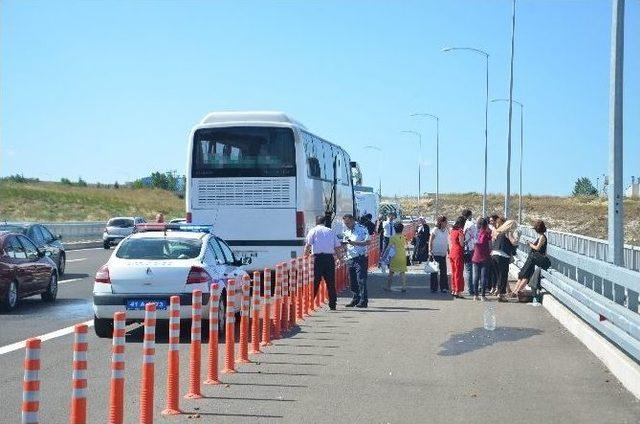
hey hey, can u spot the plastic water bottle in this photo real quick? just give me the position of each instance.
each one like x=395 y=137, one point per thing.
x=490 y=317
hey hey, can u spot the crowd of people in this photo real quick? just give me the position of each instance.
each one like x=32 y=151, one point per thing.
x=478 y=251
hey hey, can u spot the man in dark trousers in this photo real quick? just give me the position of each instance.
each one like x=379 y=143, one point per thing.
x=322 y=242
x=356 y=240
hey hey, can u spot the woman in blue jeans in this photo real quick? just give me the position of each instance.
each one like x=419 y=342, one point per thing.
x=480 y=259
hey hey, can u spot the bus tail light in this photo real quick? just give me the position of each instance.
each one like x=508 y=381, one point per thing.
x=189 y=217
x=299 y=224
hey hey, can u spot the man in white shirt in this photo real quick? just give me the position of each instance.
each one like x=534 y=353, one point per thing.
x=387 y=228
x=470 y=237
x=322 y=242
x=356 y=239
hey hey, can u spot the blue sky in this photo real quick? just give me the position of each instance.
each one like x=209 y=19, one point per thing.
x=109 y=90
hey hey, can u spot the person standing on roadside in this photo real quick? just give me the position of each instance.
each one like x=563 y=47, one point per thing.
x=366 y=222
x=456 y=254
x=387 y=228
x=321 y=243
x=356 y=240
x=421 y=242
x=438 y=249
x=502 y=250
x=481 y=258
x=397 y=263
x=159 y=218
x=470 y=234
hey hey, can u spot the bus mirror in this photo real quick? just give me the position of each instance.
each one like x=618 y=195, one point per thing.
x=353 y=164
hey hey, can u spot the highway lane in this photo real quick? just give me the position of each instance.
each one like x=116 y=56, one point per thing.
x=33 y=317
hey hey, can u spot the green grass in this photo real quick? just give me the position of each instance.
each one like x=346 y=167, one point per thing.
x=46 y=201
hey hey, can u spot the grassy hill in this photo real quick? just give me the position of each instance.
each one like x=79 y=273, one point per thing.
x=580 y=215
x=48 y=201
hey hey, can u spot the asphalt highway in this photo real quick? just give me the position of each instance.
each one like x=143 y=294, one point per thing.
x=409 y=358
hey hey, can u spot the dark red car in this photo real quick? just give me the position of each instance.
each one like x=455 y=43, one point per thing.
x=25 y=271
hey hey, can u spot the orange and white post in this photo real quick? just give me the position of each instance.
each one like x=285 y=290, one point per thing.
x=31 y=382
x=300 y=312
x=293 y=295
x=243 y=347
x=230 y=330
x=284 y=320
x=312 y=307
x=78 y=410
x=266 y=316
x=195 y=352
x=214 y=322
x=255 y=315
x=173 y=359
x=277 y=324
x=116 y=392
x=147 y=380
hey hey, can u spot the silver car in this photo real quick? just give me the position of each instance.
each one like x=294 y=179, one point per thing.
x=118 y=228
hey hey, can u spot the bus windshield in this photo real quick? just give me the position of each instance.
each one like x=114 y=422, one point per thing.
x=243 y=152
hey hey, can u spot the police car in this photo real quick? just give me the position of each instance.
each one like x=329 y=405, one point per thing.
x=159 y=261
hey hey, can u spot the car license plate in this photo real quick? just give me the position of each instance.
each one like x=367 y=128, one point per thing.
x=138 y=304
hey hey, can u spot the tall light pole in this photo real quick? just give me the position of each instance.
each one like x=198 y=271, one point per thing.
x=486 y=117
x=507 y=195
x=428 y=115
x=521 y=151
x=419 y=160
x=379 y=150
x=616 y=212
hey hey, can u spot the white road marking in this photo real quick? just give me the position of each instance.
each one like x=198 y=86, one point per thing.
x=76 y=260
x=54 y=334
x=71 y=280
x=88 y=248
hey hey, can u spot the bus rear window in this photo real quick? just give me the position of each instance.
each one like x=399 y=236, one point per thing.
x=243 y=152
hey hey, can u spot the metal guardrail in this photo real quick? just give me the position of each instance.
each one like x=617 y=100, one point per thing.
x=602 y=294
x=77 y=231
x=587 y=246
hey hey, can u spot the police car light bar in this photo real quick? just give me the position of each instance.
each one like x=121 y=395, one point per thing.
x=173 y=227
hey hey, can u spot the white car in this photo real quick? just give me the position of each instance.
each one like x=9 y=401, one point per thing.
x=160 y=261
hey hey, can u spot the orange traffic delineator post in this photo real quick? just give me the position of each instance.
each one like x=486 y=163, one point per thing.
x=31 y=382
x=173 y=359
x=310 y=284
x=284 y=320
x=300 y=289
x=243 y=347
x=195 y=351
x=116 y=391
x=293 y=295
x=277 y=303
x=214 y=321
x=78 y=410
x=147 y=380
x=255 y=315
x=230 y=329
x=266 y=316
x=305 y=287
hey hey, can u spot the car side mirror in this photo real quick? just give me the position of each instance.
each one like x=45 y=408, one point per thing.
x=59 y=237
x=238 y=262
x=41 y=253
x=246 y=260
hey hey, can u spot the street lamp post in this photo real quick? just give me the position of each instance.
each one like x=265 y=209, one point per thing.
x=521 y=151
x=486 y=117
x=379 y=150
x=419 y=160
x=428 y=115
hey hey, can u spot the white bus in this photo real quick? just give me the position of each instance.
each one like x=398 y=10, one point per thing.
x=261 y=178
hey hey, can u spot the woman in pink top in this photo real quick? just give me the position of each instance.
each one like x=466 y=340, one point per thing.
x=480 y=259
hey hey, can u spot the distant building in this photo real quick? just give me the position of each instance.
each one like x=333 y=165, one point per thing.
x=634 y=189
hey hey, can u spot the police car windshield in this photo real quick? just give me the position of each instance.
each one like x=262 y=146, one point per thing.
x=159 y=248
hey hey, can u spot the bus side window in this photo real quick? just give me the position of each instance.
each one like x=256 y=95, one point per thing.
x=314 y=167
